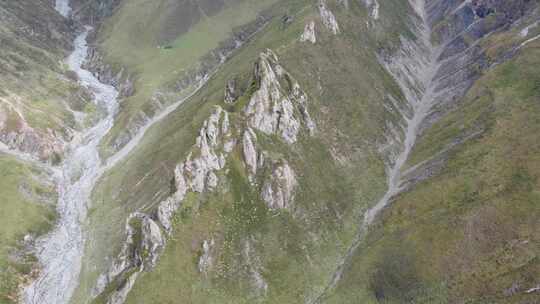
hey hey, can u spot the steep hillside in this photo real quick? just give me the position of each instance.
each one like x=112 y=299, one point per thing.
x=462 y=228
x=38 y=96
x=256 y=214
x=161 y=50
x=38 y=99
x=273 y=151
x=345 y=146
x=27 y=211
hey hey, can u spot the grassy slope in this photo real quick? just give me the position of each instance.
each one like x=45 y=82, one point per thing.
x=34 y=42
x=470 y=233
x=332 y=194
x=20 y=215
x=131 y=39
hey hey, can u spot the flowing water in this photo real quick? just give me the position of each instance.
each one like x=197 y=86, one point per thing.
x=60 y=252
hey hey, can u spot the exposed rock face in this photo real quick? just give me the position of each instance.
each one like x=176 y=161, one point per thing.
x=309 y=33
x=199 y=172
x=250 y=152
x=278 y=107
x=120 y=79
x=152 y=242
x=328 y=18
x=127 y=259
x=278 y=189
x=271 y=109
x=137 y=257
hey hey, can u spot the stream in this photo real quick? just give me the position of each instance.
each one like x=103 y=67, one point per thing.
x=60 y=252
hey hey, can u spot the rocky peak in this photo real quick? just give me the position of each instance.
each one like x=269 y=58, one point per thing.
x=279 y=105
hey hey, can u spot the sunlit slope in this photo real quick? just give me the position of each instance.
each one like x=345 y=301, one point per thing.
x=467 y=233
x=340 y=171
x=161 y=43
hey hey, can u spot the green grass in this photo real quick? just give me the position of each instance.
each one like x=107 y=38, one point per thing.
x=32 y=76
x=20 y=214
x=468 y=234
x=131 y=39
x=298 y=255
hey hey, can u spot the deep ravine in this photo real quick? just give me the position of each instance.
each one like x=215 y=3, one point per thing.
x=60 y=252
x=418 y=87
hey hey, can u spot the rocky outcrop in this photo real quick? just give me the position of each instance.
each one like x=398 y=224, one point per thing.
x=135 y=257
x=278 y=189
x=198 y=173
x=328 y=18
x=119 y=78
x=250 y=152
x=309 y=33
x=277 y=107
x=152 y=242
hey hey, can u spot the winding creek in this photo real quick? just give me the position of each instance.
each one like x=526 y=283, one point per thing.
x=60 y=252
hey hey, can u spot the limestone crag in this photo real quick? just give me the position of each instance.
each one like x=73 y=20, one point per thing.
x=274 y=107
x=277 y=107
x=231 y=94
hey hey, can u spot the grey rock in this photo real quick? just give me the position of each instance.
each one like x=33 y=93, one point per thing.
x=328 y=18
x=309 y=33
x=278 y=189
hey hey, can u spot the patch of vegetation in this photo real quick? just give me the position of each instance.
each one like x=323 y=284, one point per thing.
x=339 y=171
x=468 y=234
x=131 y=39
x=21 y=213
